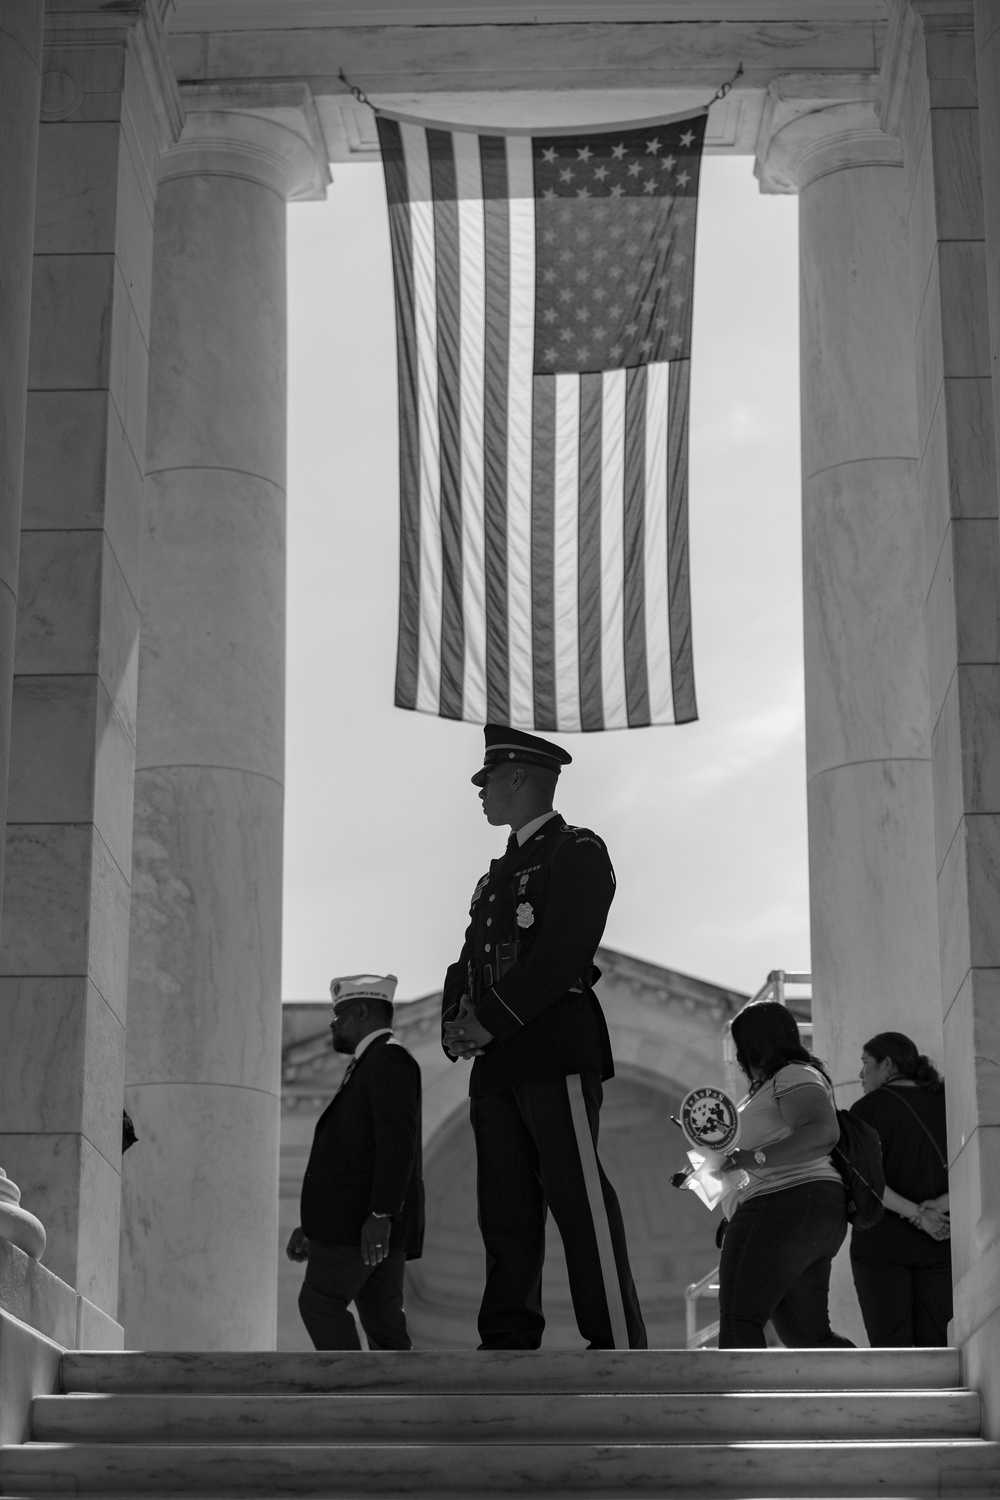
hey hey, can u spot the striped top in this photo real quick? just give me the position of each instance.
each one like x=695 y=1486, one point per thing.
x=761 y=1123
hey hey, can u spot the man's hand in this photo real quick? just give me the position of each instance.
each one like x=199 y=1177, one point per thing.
x=465 y=1036
x=933 y=1222
x=298 y=1246
x=375 y=1234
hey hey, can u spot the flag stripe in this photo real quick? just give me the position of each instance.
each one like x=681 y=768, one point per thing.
x=493 y=157
x=520 y=185
x=661 y=693
x=566 y=538
x=612 y=551
x=589 y=530
x=472 y=255
x=543 y=581
x=682 y=658
x=634 y=602
x=441 y=156
x=409 y=436
x=425 y=306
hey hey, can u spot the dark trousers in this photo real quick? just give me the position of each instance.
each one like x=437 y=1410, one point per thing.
x=906 y=1303
x=536 y=1148
x=336 y=1276
x=775 y=1267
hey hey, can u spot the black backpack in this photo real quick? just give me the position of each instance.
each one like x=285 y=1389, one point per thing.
x=857 y=1156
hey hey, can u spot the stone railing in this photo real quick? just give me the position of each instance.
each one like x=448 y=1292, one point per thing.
x=17 y=1226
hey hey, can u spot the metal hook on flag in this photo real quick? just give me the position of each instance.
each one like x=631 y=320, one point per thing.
x=719 y=93
x=363 y=98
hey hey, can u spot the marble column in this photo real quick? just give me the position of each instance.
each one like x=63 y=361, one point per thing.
x=928 y=99
x=109 y=104
x=873 y=901
x=20 y=88
x=200 y=1200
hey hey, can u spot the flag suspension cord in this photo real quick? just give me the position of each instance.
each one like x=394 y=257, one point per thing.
x=363 y=98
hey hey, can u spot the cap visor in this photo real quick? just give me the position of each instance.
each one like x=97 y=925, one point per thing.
x=480 y=777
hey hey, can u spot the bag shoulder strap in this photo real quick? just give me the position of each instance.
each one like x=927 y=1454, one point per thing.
x=899 y=1099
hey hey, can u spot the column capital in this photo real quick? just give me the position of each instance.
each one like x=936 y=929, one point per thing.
x=814 y=124
x=79 y=79
x=268 y=131
x=920 y=45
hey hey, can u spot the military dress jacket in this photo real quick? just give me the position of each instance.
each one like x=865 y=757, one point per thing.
x=527 y=964
x=366 y=1155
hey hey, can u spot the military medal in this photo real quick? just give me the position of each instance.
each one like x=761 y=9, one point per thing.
x=525 y=915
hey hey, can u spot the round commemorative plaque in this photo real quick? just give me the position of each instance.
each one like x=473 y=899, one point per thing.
x=710 y=1120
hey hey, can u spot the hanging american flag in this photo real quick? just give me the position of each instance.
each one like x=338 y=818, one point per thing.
x=543 y=311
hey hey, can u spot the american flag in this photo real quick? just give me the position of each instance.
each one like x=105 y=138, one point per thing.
x=543 y=313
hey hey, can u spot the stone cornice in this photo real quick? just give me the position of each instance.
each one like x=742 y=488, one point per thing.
x=812 y=126
x=75 y=28
x=267 y=131
x=912 y=24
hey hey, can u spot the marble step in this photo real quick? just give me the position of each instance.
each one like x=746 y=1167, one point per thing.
x=502 y=1416
x=597 y=1371
x=959 y=1467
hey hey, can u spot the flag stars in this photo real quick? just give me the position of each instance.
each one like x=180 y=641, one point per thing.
x=675 y=341
x=549 y=315
x=687 y=139
x=634 y=169
x=584 y=154
x=668 y=163
x=600 y=173
x=549 y=194
x=618 y=152
x=653 y=146
x=550 y=154
x=567 y=174
x=583 y=192
x=683 y=178
x=649 y=186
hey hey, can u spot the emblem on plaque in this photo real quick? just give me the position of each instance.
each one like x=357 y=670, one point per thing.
x=710 y=1120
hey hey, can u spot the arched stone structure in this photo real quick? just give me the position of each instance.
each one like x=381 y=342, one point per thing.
x=666 y=1035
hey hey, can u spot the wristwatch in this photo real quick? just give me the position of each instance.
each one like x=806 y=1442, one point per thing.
x=759 y=1157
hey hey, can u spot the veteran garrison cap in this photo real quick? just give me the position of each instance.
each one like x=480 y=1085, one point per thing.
x=362 y=987
x=505 y=744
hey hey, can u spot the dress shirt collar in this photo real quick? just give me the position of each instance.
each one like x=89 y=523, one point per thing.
x=383 y=1031
x=524 y=834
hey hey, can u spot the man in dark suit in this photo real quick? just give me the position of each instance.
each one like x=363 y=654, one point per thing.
x=520 y=1000
x=362 y=1195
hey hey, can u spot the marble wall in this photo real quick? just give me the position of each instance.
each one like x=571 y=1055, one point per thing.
x=20 y=93
x=108 y=104
x=928 y=98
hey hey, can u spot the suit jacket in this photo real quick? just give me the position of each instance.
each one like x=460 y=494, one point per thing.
x=537 y=918
x=366 y=1155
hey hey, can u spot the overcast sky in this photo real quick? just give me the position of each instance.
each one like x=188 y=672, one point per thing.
x=384 y=836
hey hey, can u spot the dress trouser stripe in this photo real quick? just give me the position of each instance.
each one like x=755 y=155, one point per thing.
x=598 y=1211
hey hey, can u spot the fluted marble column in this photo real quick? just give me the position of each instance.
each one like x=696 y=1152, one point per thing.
x=199 y=1241
x=928 y=99
x=873 y=901
x=109 y=105
x=20 y=88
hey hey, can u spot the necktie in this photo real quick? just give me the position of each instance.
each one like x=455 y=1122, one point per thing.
x=350 y=1069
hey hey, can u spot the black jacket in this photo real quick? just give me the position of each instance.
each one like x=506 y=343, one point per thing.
x=365 y=1154
x=536 y=920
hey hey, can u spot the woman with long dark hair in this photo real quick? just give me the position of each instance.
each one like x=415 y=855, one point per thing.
x=902 y=1264
x=787 y=1215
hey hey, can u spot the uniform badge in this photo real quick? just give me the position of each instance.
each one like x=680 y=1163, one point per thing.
x=479 y=889
x=525 y=915
x=522 y=884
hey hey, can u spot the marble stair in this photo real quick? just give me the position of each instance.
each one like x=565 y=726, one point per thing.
x=858 y=1423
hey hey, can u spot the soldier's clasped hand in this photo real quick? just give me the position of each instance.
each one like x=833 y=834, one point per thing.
x=465 y=1036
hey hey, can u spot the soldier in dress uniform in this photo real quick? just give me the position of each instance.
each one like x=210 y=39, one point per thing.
x=520 y=1001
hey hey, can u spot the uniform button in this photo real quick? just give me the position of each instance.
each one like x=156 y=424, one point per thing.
x=487 y=947
x=489 y=921
x=493 y=898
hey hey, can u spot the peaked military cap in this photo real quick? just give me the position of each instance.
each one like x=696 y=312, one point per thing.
x=504 y=744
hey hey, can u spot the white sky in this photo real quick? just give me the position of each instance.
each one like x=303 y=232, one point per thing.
x=384 y=836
